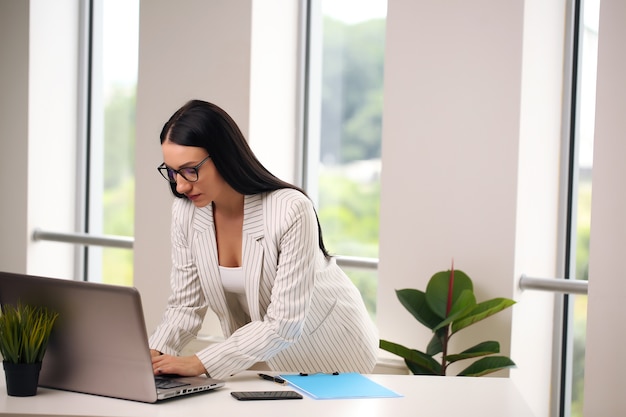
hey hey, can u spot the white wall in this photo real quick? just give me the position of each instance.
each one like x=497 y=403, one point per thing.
x=605 y=365
x=38 y=61
x=14 y=25
x=470 y=138
x=52 y=132
x=274 y=67
x=537 y=205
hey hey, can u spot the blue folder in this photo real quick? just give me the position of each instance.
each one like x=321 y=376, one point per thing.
x=335 y=386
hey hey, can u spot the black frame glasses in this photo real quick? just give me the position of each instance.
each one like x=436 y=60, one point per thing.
x=190 y=174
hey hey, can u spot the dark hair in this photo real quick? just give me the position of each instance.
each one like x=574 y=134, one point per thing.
x=205 y=125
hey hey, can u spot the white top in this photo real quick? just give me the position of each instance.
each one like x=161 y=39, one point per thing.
x=232 y=279
x=233 y=282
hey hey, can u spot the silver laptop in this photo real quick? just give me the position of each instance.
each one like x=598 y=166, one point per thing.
x=99 y=343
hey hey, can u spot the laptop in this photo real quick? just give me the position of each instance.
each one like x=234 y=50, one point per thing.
x=99 y=343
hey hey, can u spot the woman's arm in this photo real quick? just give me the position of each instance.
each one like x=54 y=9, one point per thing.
x=186 y=306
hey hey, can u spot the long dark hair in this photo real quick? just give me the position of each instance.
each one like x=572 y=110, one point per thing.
x=205 y=125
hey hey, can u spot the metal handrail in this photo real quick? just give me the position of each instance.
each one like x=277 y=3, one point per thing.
x=128 y=242
x=568 y=286
x=356 y=262
x=123 y=242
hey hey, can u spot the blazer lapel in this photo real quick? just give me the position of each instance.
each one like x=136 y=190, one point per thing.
x=252 y=251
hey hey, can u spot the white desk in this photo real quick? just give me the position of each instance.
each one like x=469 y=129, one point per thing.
x=423 y=396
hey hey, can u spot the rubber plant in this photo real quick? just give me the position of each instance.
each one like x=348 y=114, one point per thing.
x=446 y=307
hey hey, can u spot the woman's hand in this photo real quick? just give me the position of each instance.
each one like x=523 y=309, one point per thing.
x=179 y=365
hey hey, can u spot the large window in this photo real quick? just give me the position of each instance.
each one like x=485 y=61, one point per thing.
x=350 y=35
x=584 y=83
x=111 y=91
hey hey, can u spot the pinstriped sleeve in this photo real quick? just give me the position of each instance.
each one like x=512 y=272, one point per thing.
x=295 y=242
x=186 y=306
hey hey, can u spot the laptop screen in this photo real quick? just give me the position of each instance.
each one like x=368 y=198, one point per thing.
x=99 y=343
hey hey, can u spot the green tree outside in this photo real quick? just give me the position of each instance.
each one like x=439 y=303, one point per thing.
x=119 y=183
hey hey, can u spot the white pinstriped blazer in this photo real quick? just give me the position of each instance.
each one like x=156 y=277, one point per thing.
x=306 y=315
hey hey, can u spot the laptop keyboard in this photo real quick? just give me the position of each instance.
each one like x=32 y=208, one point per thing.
x=165 y=383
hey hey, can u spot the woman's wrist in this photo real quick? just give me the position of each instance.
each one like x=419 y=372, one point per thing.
x=202 y=368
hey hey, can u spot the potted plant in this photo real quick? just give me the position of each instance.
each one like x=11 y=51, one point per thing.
x=446 y=307
x=24 y=334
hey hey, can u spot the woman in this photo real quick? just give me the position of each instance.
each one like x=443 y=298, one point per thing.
x=249 y=247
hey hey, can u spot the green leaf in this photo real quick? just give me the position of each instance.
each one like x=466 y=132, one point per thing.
x=482 y=311
x=416 y=369
x=437 y=290
x=465 y=301
x=481 y=349
x=414 y=301
x=487 y=365
x=435 y=345
x=421 y=360
x=461 y=308
x=24 y=332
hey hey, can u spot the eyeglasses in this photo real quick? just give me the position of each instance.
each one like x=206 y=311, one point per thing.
x=190 y=174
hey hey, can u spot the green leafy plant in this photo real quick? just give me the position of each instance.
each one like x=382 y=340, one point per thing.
x=446 y=307
x=24 y=332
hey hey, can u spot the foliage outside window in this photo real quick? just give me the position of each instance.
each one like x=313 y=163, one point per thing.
x=351 y=136
x=114 y=49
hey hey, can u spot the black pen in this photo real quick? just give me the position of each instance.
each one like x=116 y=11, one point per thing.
x=276 y=379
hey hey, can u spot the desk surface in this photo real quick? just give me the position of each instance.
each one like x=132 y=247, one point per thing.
x=422 y=395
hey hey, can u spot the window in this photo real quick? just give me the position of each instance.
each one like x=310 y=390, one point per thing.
x=582 y=139
x=346 y=62
x=111 y=136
